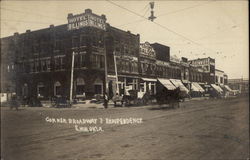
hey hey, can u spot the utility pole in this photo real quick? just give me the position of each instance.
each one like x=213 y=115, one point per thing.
x=116 y=74
x=71 y=78
x=105 y=96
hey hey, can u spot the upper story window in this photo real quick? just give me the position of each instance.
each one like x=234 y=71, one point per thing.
x=75 y=42
x=58 y=45
x=8 y=68
x=35 y=48
x=45 y=65
x=83 y=40
x=59 y=63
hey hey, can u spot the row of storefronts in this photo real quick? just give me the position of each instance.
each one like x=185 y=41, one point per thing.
x=39 y=63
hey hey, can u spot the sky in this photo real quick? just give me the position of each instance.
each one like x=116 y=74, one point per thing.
x=192 y=29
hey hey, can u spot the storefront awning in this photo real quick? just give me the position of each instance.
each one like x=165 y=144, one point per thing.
x=178 y=83
x=228 y=88
x=194 y=88
x=166 y=83
x=217 y=88
x=149 y=79
x=185 y=81
x=198 y=86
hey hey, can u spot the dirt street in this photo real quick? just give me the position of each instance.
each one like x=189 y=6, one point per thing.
x=207 y=129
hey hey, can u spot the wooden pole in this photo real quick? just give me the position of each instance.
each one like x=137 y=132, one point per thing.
x=116 y=74
x=71 y=79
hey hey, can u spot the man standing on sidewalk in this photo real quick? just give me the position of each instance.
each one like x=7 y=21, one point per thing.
x=105 y=104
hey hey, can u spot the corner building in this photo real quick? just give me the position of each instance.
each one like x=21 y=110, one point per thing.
x=42 y=59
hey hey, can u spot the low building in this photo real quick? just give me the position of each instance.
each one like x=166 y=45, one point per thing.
x=220 y=77
x=239 y=84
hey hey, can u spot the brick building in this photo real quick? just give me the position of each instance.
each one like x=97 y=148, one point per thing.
x=41 y=60
x=38 y=63
x=208 y=65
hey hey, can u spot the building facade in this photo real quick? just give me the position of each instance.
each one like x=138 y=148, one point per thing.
x=41 y=60
x=208 y=65
x=39 y=63
x=220 y=77
x=239 y=84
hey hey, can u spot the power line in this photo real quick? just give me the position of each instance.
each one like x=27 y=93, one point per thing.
x=183 y=9
x=172 y=12
x=146 y=12
x=164 y=27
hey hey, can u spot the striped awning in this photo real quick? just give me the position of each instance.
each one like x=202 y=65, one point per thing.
x=217 y=88
x=198 y=86
x=178 y=83
x=228 y=88
x=166 y=83
x=194 y=88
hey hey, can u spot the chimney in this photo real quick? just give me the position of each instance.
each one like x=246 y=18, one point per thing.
x=70 y=15
x=16 y=34
x=103 y=17
x=88 y=11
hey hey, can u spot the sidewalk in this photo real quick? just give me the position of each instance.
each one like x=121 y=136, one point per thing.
x=99 y=105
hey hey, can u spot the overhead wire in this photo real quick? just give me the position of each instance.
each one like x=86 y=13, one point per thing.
x=162 y=26
x=168 y=13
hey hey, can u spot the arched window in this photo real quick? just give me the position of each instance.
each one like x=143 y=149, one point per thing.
x=25 y=90
x=40 y=90
x=57 y=89
x=80 y=86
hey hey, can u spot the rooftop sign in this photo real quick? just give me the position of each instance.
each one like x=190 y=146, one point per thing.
x=86 y=19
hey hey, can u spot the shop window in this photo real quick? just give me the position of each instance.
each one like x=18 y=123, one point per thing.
x=98 y=86
x=98 y=89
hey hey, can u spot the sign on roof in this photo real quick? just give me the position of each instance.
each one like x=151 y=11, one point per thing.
x=86 y=19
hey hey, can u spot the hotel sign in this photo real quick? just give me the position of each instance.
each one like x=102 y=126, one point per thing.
x=86 y=19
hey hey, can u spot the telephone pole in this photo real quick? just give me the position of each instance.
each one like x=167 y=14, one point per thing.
x=71 y=78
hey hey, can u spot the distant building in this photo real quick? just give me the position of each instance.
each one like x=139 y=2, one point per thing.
x=220 y=77
x=239 y=84
x=208 y=65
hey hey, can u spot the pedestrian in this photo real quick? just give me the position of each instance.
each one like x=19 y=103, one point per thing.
x=105 y=104
x=14 y=103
